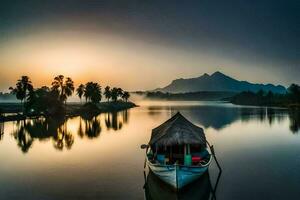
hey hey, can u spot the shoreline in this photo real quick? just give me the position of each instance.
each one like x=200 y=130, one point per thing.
x=13 y=111
x=289 y=106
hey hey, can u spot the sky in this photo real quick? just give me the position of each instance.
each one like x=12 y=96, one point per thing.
x=142 y=45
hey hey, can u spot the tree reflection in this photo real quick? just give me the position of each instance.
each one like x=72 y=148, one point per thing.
x=80 y=131
x=1 y=130
x=270 y=115
x=115 y=120
x=63 y=138
x=219 y=117
x=294 y=116
x=24 y=139
x=125 y=115
x=56 y=129
x=42 y=129
x=92 y=126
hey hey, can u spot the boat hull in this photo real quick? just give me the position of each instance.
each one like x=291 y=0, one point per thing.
x=177 y=176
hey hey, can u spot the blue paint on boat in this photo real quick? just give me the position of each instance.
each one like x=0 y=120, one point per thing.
x=176 y=175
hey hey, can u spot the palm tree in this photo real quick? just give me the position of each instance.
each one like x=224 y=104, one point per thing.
x=64 y=88
x=114 y=94
x=22 y=89
x=107 y=93
x=80 y=91
x=88 y=91
x=69 y=87
x=120 y=92
x=125 y=96
x=92 y=92
x=96 y=94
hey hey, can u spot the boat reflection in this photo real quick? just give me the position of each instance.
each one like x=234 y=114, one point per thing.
x=201 y=189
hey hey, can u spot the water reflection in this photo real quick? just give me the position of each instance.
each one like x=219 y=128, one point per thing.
x=201 y=189
x=294 y=121
x=1 y=130
x=92 y=126
x=115 y=120
x=63 y=138
x=23 y=138
x=26 y=132
x=218 y=117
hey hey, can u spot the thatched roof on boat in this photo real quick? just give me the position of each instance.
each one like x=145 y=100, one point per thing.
x=177 y=131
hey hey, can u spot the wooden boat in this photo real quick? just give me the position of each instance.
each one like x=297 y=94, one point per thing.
x=155 y=189
x=176 y=175
x=177 y=152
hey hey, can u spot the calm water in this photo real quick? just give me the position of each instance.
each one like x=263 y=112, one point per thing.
x=99 y=157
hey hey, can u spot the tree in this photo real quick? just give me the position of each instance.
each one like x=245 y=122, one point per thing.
x=120 y=92
x=80 y=91
x=260 y=93
x=294 y=89
x=107 y=93
x=294 y=92
x=96 y=94
x=92 y=92
x=88 y=91
x=125 y=96
x=44 y=101
x=114 y=94
x=64 y=88
x=270 y=95
x=22 y=89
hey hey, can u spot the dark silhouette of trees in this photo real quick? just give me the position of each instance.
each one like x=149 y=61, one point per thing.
x=120 y=92
x=44 y=101
x=49 y=102
x=294 y=92
x=64 y=87
x=23 y=89
x=290 y=99
x=125 y=96
x=107 y=93
x=80 y=91
x=114 y=94
x=93 y=92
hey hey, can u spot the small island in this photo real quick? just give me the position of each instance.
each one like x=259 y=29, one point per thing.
x=52 y=101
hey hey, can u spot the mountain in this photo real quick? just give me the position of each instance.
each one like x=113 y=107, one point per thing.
x=217 y=82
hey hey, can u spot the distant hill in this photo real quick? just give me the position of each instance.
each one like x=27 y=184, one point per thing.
x=217 y=82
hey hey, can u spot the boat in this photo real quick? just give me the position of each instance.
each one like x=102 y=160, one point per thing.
x=155 y=189
x=177 y=152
